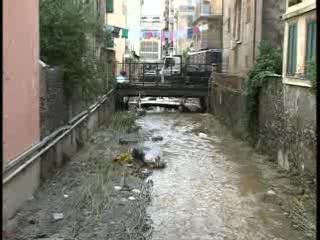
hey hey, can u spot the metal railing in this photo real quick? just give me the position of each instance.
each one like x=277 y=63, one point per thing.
x=156 y=74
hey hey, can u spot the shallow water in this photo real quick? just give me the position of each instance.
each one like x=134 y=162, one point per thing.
x=211 y=188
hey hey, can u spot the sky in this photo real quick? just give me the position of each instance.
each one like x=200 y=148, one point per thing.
x=155 y=7
x=152 y=7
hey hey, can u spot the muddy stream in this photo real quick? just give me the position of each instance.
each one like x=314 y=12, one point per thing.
x=211 y=188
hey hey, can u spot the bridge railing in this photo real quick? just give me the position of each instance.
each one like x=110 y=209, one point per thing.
x=156 y=74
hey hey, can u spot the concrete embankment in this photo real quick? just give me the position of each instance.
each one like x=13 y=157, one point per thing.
x=24 y=175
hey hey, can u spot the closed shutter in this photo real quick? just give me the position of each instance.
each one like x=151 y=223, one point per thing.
x=292 y=49
x=311 y=41
x=109 y=6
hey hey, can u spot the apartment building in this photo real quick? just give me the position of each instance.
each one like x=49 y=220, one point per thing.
x=134 y=11
x=116 y=17
x=184 y=19
x=150 y=42
x=247 y=23
x=208 y=25
x=300 y=32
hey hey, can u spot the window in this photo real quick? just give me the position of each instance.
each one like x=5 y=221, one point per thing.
x=109 y=6
x=206 y=8
x=311 y=40
x=248 y=11
x=311 y=43
x=237 y=21
x=228 y=20
x=293 y=2
x=292 y=50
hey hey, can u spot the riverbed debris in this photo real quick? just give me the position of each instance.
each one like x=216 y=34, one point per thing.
x=202 y=135
x=124 y=158
x=57 y=216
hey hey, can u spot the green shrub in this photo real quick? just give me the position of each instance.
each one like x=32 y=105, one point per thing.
x=67 y=28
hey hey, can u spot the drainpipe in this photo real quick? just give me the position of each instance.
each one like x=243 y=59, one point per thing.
x=254 y=32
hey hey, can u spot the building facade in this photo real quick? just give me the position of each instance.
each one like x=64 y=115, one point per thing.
x=184 y=19
x=246 y=24
x=150 y=41
x=208 y=25
x=21 y=117
x=133 y=24
x=117 y=19
x=299 y=48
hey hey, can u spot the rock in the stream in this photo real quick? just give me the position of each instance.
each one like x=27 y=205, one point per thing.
x=154 y=158
x=157 y=138
x=141 y=112
x=123 y=141
x=138 y=154
x=152 y=155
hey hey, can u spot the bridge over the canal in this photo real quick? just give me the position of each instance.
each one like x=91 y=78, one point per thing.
x=142 y=83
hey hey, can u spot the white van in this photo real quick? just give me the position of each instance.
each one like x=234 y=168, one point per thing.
x=171 y=67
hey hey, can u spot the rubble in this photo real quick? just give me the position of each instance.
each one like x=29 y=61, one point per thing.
x=157 y=138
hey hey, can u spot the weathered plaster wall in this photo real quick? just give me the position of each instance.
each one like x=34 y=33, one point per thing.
x=21 y=124
x=299 y=147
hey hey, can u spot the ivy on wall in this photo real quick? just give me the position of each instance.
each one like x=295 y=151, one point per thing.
x=268 y=65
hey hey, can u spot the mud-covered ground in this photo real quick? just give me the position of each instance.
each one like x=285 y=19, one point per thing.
x=85 y=192
x=214 y=187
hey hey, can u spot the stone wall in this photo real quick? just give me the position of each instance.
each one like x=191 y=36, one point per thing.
x=284 y=126
x=53 y=102
x=270 y=119
x=229 y=106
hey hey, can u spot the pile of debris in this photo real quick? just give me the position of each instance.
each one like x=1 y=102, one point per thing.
x=152 y=158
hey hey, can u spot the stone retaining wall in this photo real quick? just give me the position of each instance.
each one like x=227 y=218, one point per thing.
x=284 y=126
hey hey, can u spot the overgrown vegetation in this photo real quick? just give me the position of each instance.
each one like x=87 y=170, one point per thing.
x=68 y=29
x=267 y=66
x=123 y=121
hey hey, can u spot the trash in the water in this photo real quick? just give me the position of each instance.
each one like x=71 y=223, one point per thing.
x=271 y=192
x=202 y=135
x=124 y=158
x=136 y=191
x=65 y=195
x=132 y=198
x=58 y=216
x=117 y=188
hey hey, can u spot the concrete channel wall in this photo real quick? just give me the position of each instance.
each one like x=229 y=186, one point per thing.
x=22 y=179
x=284 y=126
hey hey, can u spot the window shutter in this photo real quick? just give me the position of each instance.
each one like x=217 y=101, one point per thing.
x=292 y=49
x=109 y=5
x=311 y=41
